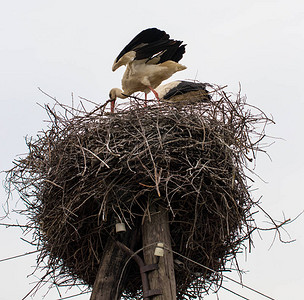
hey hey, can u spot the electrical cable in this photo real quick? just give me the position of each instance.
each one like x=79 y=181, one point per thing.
x=20 y=255
x=224 y=276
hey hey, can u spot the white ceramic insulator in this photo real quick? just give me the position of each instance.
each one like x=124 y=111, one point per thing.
x=120 y=227
x=159 y=250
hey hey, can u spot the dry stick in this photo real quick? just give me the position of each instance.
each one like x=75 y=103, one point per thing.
x=156 y=173
x=36 y=286
x=16 y=225
x=65 y=106
x=76 y=295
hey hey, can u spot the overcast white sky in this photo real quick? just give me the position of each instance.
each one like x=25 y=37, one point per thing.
x=69 y=46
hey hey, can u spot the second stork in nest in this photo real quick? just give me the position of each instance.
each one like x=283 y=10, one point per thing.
x=183 y=92
x=150 y=58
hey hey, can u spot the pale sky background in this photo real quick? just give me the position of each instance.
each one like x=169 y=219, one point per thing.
x=69 y=46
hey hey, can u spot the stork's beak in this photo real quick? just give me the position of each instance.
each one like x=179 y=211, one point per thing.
x=112 y=105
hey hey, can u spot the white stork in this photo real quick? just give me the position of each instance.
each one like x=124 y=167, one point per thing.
x=183 y=91
x=150 y=58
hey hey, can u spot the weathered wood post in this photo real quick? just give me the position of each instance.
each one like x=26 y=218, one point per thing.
x=106 y=282
x=156 y=229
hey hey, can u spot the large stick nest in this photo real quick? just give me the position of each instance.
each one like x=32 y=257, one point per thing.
x=89 y=170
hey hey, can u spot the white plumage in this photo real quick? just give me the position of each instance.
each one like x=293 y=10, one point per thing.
x=150 y=58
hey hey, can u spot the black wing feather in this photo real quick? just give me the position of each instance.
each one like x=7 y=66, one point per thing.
x=152 y=49
x=185 y=87
x=147 y=36
x=165 y=50
x=173 y=52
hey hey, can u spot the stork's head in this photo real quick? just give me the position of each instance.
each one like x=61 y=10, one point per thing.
x=117 y=93
x=113 y=94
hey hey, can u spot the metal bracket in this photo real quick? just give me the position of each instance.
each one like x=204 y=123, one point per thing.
x=149 y=268
x=146 y=269
x=147 y=293
x=151 y=293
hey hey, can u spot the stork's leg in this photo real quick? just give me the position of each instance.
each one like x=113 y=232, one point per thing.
x=155 y=93
x=145 y=103
x=112 y=106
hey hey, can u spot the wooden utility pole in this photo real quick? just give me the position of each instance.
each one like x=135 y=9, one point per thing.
x=106 y=282
x=157 y=273
x=155 y=229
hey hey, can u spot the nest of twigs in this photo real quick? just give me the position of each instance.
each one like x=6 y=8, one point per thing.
x=89 y=170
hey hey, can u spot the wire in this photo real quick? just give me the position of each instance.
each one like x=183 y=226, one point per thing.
x=147 y=246
x=224 y=276
x=189 y=259
x=20 y=255
x=126 y=263
x=235 y=293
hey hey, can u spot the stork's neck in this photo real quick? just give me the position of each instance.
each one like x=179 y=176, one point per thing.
x=120 y=94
